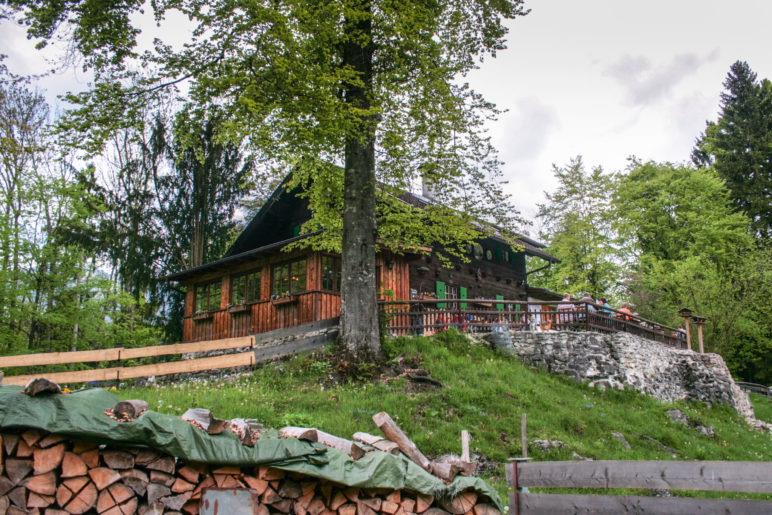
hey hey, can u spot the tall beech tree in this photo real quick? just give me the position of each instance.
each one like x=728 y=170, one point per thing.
x=369 y=84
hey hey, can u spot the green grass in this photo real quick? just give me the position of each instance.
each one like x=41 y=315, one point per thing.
x=762 y=406
x=485 y=393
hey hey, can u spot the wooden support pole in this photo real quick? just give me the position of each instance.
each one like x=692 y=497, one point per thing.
x=688 y=335
x=524 y=435
x=465 y=445
x=699 y=335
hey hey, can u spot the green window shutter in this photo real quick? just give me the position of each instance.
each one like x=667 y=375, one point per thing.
x=462 y=295
x=440 y=290
x=500 y=307
x=296 y=230
x=499 y=255
x=517 y=317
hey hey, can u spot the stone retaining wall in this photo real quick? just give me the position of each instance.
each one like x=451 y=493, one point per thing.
x=621 y=360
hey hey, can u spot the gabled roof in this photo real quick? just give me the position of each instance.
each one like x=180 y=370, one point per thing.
x=259 y=231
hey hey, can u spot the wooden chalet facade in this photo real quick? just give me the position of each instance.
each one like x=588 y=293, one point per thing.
x=258 y=287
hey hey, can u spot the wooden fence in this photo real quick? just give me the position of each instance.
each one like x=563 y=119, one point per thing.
x=720 y=476
x=261 y=348
x=427 y=317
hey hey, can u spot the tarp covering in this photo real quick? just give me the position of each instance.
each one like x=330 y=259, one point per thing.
x=80 y=416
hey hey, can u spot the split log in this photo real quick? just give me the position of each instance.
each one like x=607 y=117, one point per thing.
x=423 y=502
x=270 y=474
x=460 y=504
x=374 y=503
x=161 y=478
x=162 y=464
x=363 y=509
x=9 y=443
x=23 y=450
x=41 y=385
x=290 y=490
x=270 y=496
x=146 y=456
x=394 y=496
x=130 y=409
x=39 y=501
x=46 y=460
x=227 y=470
x=4 y=503
x=90 y=458
x=192 y=507
x=317 y=506
x=188 y=474
x=18 y=496
x=129 y=507
x=139 y=487
x=120 y=492
x=347 y=509
x=347 y=446
x=103 y=477
x=305 y=500
x=13 y=510
x=392 y=431
x=118 y=460
x=69 y=488
x=180 y=486
x=408 y=505
x=151 y=509
x=6 y=485
x=73 y=465
x=337 y=501
x=379 y=443
x=176 y=502
x=444 y=470
x=50 y=511
x=80 y=447
x=301 y=433
x=105 y=501
x=44 y=484
x=17 y=469
x=230 y=482
x=155 y=492
x=258 y=485
x=389 y=507
x=83 y=500
x=485 y=509
x=352 y=494
x=51 y=440
x=283 y=506
x=206 y=483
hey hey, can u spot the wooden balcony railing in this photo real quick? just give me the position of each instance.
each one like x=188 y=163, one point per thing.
x=427 y=317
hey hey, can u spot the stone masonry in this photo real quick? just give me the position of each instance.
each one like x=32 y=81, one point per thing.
x=622 y=360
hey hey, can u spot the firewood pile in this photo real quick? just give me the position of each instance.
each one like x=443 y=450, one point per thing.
x=49 y=474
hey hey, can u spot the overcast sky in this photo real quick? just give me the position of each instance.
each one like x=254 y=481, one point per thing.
x=606 y=79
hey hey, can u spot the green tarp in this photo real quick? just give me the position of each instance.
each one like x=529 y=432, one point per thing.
x=80 y=416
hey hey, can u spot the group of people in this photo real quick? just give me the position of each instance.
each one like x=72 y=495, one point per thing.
x=603 y=308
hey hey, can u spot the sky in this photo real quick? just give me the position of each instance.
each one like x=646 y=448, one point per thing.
x=604 y=79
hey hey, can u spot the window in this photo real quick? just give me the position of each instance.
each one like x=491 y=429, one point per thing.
x=330 y=273
x=289 y=278
x=245 y=288
x=208 y=296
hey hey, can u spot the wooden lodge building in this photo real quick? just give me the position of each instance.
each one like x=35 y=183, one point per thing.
x=256 y=287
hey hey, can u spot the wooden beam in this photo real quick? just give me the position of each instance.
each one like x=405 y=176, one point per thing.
x=725 y=476
x=55 y=358
x=189 y=365
x=184 y=348
x=550 y=504
x=392 y=431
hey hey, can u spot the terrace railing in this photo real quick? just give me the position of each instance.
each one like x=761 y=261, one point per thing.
x=428 y=317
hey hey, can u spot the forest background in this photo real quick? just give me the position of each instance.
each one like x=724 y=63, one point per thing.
x=84 y=247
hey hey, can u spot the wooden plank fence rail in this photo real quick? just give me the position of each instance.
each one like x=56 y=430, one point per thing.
x=120 y=353
x=723 y=476
x=265 y=347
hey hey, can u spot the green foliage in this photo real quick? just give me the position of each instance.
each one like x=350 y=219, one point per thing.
x=688 y=248
x=576 y=225
x=485 y=393
x=739 y=145
x=53 y=294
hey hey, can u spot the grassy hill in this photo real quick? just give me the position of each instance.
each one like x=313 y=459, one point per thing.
x=485 y=393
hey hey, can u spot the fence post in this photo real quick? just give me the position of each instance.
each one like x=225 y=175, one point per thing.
x=511 y=470
x=523 y=435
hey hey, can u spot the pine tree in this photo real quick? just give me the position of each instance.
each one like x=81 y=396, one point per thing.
x=739 y=145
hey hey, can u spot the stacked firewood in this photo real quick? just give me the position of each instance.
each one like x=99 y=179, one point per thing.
x=47 y=473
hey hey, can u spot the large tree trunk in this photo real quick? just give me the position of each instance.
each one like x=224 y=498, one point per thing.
x=359 y=310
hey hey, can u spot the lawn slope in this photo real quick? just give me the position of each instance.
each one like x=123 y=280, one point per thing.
x=485 y=393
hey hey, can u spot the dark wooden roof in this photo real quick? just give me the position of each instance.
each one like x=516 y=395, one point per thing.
x=272 y=228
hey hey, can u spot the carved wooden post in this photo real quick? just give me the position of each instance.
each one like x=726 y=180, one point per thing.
x=686 y=313
x=699 y=322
